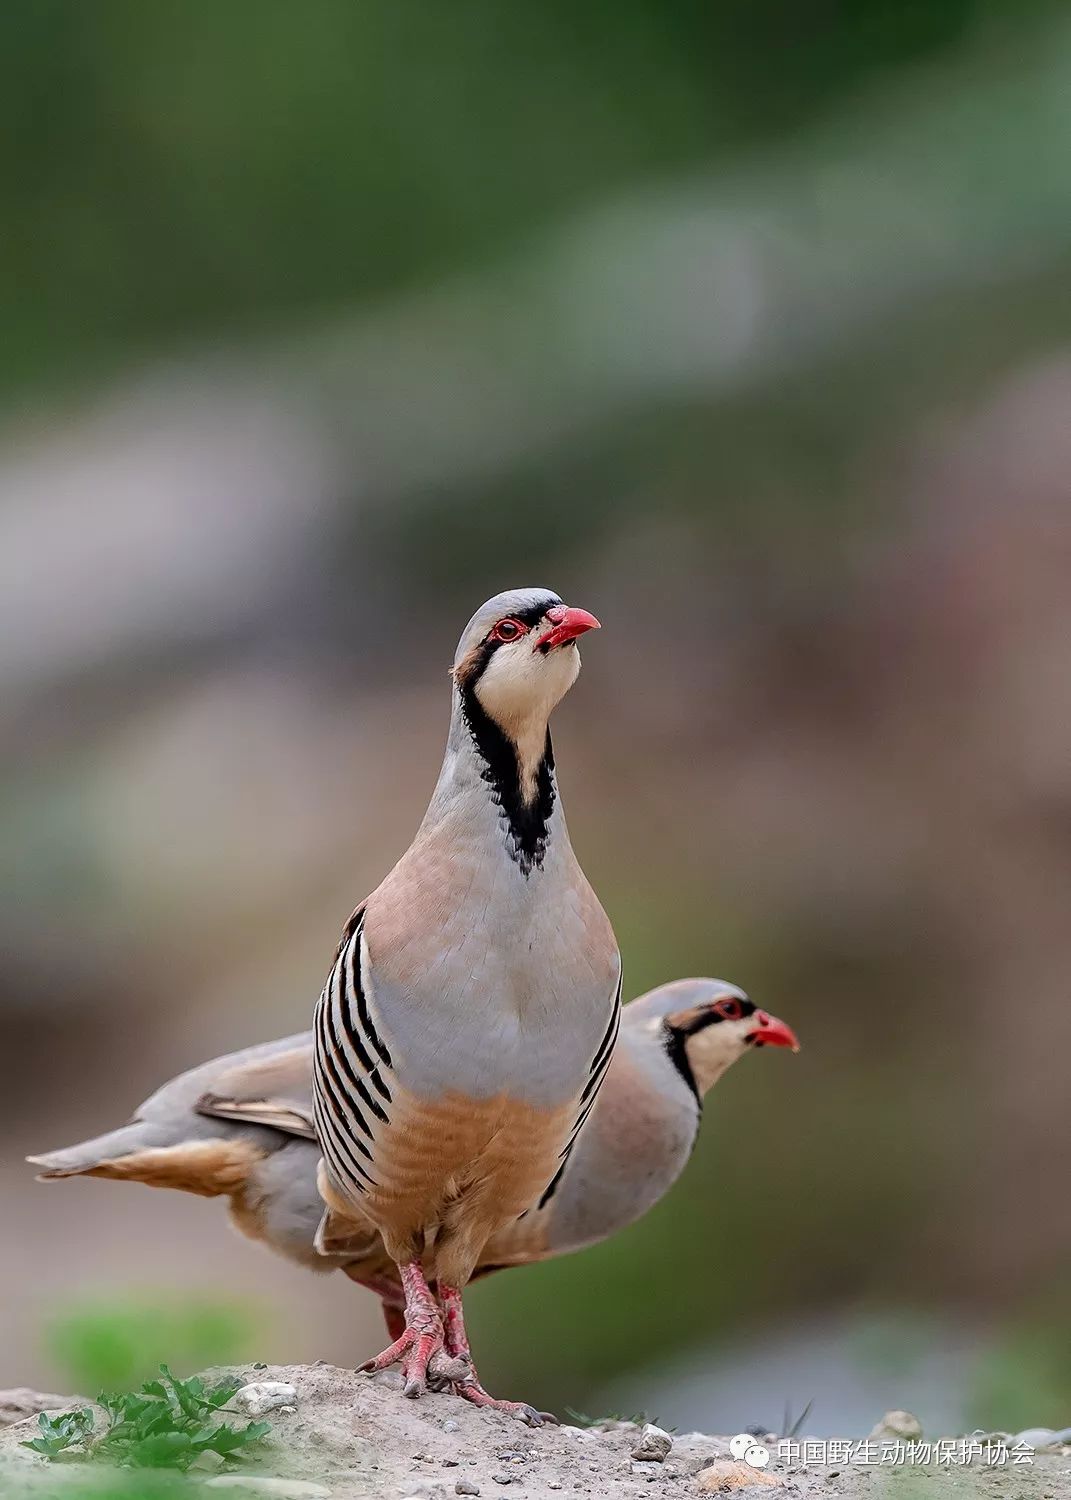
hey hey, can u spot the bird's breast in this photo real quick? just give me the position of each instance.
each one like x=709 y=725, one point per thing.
x=486 y=981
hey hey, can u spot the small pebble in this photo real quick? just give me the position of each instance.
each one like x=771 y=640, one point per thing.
x=265 y=1395
x=451 y=1426
x=466 y=1487
x=649 y=1470
x=653 y=1445
x=502 y=1478
x=450 y=1463
x=259 y=1365
x=1040 y=1437
x=898 y=1424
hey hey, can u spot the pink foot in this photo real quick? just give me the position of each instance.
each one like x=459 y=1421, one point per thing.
x=421 y=1343
x=468 y=1386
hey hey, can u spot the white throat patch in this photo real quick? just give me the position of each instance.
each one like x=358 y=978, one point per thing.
x=519 y=689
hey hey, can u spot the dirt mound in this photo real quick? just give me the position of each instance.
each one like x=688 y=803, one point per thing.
x=351 y=1437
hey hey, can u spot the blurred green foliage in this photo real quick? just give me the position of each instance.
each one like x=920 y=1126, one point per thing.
x=189 y=171
x=1024 y=1377
x=117 y=1345
x=111 y=1484
x=167 y=1424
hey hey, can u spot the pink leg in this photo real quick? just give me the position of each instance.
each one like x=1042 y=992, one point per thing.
x=421 y=1339
x=457 y=1345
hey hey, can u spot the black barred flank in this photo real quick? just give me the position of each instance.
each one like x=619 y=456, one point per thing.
x=335 y=1134
x=367 y=1024
x=600 y=1064
x=332 y=1084
x=552 y=1187
x=606 y=1047
x=349 y=1055
x=333 y=1143
x=355 y=1079
x=363 y=1056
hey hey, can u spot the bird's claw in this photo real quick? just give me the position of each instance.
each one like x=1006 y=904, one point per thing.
x=446 y=1369
x=472 y=1390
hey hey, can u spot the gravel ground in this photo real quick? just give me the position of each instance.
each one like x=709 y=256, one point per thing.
x=350 y=1437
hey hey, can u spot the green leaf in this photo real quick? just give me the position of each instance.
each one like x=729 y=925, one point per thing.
x=205 y=1436
x=61 y=1432
x=164 y=1426
x=50 y=1447
x=230 y=1439
x=167 y=1450
x=220 y=1394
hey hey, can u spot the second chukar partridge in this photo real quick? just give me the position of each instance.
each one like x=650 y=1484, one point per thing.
x=472 y=1009
x=241 y=1127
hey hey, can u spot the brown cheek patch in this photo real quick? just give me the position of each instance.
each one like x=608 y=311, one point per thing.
x=690 y=1019
x=465 y=670
x=206 y=1168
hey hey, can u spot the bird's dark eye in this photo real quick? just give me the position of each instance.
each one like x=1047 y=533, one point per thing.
x=729 y=1010
x=508 y=630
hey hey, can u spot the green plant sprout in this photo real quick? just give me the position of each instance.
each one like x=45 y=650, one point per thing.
x=165 y=1425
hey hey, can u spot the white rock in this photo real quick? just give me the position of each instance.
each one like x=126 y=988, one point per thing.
x=898 y=1424
x=1040 y=1437
x=651 y=1469
x=653 y=1445
x=265 y=1484
x=265 y=1395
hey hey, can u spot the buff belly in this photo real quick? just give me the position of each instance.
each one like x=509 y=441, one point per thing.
x=452 y=1172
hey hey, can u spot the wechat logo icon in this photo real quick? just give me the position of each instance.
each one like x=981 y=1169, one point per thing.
x=747 y=1447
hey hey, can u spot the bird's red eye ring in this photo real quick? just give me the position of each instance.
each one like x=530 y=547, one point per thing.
x=729 y=1010
x=508 y=630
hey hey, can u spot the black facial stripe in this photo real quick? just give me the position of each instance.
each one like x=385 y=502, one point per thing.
x=535 y=612
x=709 y=1016
x=528 y=823
x=488 y=646
x=673 y=1039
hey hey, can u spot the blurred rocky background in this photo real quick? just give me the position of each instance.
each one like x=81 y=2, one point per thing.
x=744 y=325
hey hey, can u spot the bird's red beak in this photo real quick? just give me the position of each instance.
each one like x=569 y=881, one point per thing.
x=567 y=625
x=771 y=1032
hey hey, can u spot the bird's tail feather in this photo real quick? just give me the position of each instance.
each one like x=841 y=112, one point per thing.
x=102 y=1155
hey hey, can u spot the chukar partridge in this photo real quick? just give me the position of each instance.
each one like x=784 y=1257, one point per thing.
x=472 y=1009
x=241 y=1127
